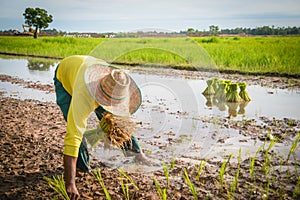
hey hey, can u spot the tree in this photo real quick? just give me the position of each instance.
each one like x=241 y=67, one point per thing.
x=213 y=29
x=37 y=18
x=190 y=30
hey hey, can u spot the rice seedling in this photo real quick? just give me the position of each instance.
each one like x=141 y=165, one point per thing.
x=125 y=190
x=128 y=178
x=162 y=193
x=234 y=184
x=173 y=162
x=252 y=162
x=293 y=147
x=296 y=193
x=97 y=175
x=58 y=185
x=190 y=184
x=199 y=171
x=267 y=190
x=166 y=172
x=266 y=165
x=222 y=171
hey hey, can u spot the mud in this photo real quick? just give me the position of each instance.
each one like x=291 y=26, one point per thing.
x=32 y=143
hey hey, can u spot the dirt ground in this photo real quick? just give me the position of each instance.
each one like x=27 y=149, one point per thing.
x=31 y=148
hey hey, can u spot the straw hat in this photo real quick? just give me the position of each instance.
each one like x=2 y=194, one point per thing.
x=113 y=89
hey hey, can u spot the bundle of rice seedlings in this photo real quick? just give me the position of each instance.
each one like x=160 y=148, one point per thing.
x=215 y=84
x=117 y=129
x=243 y=93
x=232 y=94
x=209 y=89
x=221 y=92
x=228 y=82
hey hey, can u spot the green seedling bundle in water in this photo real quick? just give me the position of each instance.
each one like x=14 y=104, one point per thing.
x=209 y=89
x=220 y=91
x=232 y=95
x=243 y=94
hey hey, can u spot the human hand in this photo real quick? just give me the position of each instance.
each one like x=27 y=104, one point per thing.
x=70 y=174
x=72 y=191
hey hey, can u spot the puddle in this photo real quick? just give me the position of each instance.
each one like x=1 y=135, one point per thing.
x=32 y=69
x=170 y=116
x=19 y=92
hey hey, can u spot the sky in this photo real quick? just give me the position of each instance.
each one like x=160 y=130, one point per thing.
x=167 y=15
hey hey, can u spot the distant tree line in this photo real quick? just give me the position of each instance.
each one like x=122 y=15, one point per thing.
x=264 y=30
x=213 y=30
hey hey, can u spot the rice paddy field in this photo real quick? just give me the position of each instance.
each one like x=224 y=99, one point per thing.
x=247 y=55
x=204 y=150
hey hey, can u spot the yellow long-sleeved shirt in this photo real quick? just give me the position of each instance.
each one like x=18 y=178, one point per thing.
x=70 y=73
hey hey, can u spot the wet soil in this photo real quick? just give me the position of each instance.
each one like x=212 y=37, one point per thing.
x=31 y=148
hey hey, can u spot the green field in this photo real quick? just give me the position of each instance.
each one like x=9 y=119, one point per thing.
x=250 y=55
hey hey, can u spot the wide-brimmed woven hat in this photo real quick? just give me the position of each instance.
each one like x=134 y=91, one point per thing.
x=113 y=89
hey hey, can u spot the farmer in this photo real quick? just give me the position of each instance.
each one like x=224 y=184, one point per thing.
x=84 y=84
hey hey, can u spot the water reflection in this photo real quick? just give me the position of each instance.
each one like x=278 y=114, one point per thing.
x=29 y=69
x=40 y=64
x=234 y=108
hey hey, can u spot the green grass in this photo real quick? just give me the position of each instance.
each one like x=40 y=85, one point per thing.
x=250 y=55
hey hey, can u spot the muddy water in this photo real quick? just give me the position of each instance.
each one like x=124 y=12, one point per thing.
x=172 y=118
